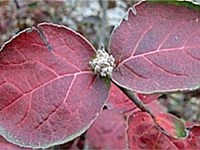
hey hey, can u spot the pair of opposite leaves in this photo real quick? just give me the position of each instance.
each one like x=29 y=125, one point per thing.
x=51 y=97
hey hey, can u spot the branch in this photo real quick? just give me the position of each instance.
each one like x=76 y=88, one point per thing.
x=131 y=95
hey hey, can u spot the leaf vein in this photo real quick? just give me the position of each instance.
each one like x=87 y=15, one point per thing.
x=191 y=56
x=74 y=66
x=133 y=72
x=57 y=107
x=163 y=69
x=140 y=39
x=53 y=71
x=42 y=85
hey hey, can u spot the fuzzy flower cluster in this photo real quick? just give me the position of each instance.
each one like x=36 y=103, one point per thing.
x=103 y=64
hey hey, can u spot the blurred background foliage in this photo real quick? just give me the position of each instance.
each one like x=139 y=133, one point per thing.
x=92 y=18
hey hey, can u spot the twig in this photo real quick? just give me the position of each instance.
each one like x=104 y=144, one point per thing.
x=131 y=95
x=17 y=4
x=104 y=5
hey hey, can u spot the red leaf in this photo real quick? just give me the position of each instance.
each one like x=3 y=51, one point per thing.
x=4 y=145
x=156 y=107
x=48 y=97
x=148 y=98
x=142 y=134
x=171 y=124
x=158 y=49
x=194 y=138
x=107 y=132
x=118 y=101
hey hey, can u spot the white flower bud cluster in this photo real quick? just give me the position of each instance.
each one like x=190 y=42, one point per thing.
x=103 y=64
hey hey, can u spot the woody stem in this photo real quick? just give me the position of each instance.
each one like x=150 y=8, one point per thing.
x=131 y=95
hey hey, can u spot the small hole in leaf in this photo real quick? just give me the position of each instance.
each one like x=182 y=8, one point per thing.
x=105 y=107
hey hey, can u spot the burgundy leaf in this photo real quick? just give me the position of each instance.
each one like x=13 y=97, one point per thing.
x=4 y=145
x=142 y=134
x=194 y=138
x=158 y=49
x=48 y=95
x=107 y=132
x=118 y=101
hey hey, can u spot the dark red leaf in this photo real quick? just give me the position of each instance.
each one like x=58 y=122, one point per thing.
x=118 y=101
x=142 y=134
x=48 y=95
x=158 y=49
x=4 y=145
x=107 y=132
x=194 y=138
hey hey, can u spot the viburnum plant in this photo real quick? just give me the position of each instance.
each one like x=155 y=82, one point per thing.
x=54 y=84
